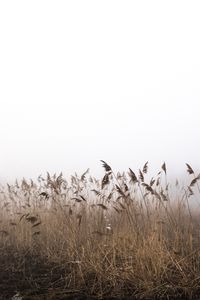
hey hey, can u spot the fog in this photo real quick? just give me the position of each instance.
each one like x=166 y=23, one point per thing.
x=83 y=81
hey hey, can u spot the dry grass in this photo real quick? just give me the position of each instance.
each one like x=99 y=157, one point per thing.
x=125 y=236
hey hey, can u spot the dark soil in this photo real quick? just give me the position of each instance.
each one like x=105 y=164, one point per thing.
x=32 y=276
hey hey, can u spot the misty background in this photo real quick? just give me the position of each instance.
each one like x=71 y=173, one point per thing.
x=83 y=81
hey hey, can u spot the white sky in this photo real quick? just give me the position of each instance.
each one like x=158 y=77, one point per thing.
x=82 y=81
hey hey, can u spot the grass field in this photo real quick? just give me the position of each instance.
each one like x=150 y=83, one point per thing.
x=126 y=236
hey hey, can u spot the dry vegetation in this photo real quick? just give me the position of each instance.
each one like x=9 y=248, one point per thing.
x=123 y=237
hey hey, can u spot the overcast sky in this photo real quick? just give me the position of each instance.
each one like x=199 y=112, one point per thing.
x=82 y=81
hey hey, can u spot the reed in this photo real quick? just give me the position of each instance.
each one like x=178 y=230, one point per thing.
x=123 y=236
